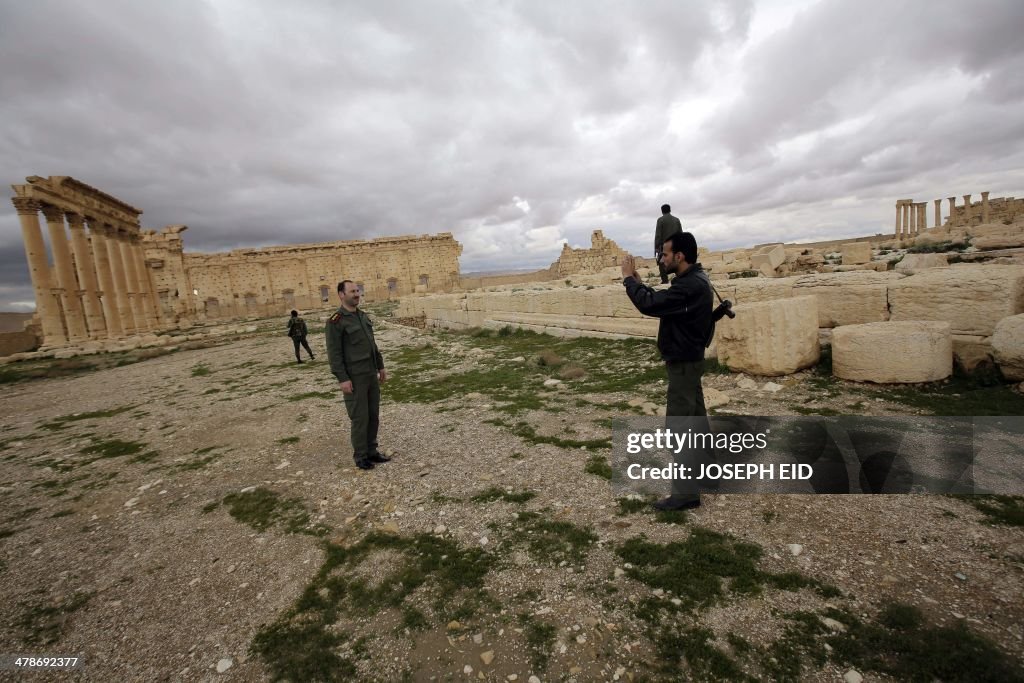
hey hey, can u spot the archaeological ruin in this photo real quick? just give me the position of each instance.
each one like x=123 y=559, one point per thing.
x=111 y=279
x=938 y=297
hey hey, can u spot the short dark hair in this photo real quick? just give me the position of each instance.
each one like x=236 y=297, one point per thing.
x=665 y=208
x=684 y=243
x=295 y=314
x=341 y=285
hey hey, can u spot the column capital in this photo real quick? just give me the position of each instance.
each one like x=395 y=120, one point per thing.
x=25 y=206
x=984 y=195
x=75 y=220
x=53 y=213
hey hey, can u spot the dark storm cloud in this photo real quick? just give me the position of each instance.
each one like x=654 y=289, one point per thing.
x=516 y=125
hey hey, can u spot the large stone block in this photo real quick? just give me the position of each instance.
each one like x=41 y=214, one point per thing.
x=753 y=290
x=768 y=258
x=971 y=298
x=770 y=338
x=848 y=298
x=855 y=252
x=971 y=351
x=912 y=263
x=1008 y=347
x=893 y=352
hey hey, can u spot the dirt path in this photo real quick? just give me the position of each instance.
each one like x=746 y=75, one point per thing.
x=162 y=520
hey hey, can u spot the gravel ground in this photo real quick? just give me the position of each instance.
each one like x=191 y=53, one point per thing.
x=133 y=561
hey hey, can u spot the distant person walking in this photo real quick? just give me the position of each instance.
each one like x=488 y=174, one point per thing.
x=297 y=330
x=667 y=226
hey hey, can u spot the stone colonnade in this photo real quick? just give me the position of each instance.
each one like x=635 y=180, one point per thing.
x=98 y=286
x=911 y=218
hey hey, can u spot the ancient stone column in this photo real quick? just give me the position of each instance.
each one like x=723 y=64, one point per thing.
x=105 y=273
x=86 y=277
x=967 y=210
x=938 y=212
x=899 y=209
x=909 y=231
x=984 y=207
x=39 y=268
x=952 y=211
x=132 y=278
x=922 y=217
x=74 y=317
x=124 y=308
x=144 y=288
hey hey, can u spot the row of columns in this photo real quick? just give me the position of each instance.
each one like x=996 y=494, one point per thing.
x=911 y=218
x=102 y=292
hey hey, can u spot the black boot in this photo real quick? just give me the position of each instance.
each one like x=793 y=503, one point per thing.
x=364 y=464
x=676 y=503
x=378 y=457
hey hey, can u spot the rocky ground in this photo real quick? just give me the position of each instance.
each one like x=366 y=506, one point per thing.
x=196 y=516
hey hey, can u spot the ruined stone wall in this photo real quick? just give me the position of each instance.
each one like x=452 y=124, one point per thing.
x=1000 y=210
x=274 y=280
x=603 y=253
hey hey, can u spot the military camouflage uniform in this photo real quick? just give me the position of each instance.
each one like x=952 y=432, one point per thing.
x=354 y=357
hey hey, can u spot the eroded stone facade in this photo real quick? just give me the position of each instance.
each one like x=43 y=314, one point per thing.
x=274 y=280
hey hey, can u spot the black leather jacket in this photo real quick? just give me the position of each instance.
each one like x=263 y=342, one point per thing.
x=684 y=309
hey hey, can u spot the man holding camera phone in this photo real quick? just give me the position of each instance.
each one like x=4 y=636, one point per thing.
x=684 y=330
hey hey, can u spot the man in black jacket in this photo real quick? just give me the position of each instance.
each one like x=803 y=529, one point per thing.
x=684 y=310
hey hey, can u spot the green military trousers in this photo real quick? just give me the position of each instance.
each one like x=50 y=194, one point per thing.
x=686 y=399
x=363 y=406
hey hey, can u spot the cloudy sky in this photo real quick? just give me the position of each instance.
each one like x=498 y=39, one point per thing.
x=516 y=125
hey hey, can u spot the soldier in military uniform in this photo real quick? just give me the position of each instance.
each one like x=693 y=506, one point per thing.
x=297 y=330
x=667 y=226
x=357 y=363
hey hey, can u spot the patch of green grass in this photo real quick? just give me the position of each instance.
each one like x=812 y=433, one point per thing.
x=549 y=541
x=148 y=456
x=705 y=568
x=62 y=513
x=442 y=499
x=705 y=661
x=288 y=439
x=212 y=390
x=65 y=421
x=598 y=465
x=713 y=367
x=262 y=509
x=495 y=493
x=540 y=639
x=810 y=410
x=414 y=619
x=970 y=395
x=112 y=448
x=307 y=642
x=903 y=646
x=43 y=623
x=200 y=370
x=629 y=506
x=211 y=506
x=526 y=432
x=1004 y=510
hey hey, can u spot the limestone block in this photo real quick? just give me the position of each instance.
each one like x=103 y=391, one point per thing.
x=971 y=351
x=813 y=259
x=752 y=290
x=999 y=242
x=893 y=352
x=621 y=305
x=848 y=298
x=771 y=337
x=598 y=301
x=855 y=252
x=1008 y=347
x=772 y=256
x=736 y=265
x=912 y=263
x=971 y=298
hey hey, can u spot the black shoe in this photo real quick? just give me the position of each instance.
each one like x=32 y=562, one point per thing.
x=676 y=503
x=312 y=357
x=364 y=464
x=378 y=457
x=299 y=360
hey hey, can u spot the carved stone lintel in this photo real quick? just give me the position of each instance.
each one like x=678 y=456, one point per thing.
x=25 y=206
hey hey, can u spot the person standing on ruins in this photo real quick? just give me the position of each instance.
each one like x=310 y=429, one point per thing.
x=359 y=367
x=667 y=226
x=684 y=329
x=297 y=330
